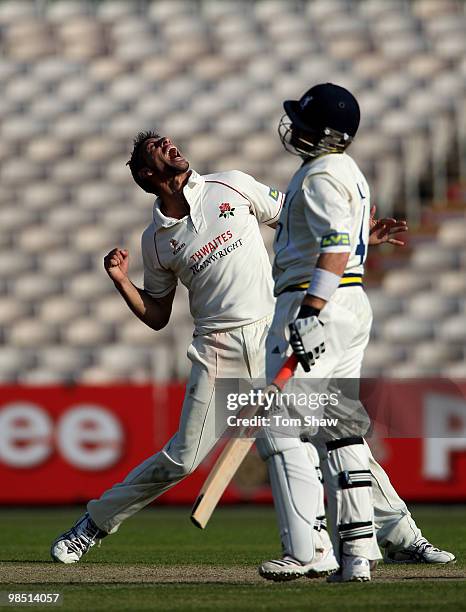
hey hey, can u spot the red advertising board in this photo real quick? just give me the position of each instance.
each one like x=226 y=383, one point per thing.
x=68 y=444
x=63 y=444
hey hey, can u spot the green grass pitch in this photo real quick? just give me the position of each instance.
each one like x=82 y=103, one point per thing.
x=159 y=561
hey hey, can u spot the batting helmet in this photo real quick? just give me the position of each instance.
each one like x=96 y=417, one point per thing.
x=324 y=120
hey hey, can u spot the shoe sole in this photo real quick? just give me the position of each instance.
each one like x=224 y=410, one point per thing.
x=414 y=562
x=280 y=576
x=355 y=579
x=312 y=574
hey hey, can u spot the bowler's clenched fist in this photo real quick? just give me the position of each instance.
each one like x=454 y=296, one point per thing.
x=116 y=264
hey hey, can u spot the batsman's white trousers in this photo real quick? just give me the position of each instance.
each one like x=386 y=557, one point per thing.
x=238 y=353
x=347 y=319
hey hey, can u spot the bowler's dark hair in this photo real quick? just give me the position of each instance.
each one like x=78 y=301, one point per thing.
x=137 y=161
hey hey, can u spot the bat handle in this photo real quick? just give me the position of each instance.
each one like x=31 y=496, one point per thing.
x=286 y=372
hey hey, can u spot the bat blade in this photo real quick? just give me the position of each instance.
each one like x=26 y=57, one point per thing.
x=231 y=458
x=223 y=471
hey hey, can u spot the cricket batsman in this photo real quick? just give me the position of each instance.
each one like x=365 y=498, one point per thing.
x=323 y=315
x=204 y=232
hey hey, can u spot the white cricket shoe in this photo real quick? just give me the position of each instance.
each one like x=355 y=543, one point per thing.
x=324 y=562
x=288 y=568
x=421 y=551
x=353 y=569
x=70 y=546
x=282 y=570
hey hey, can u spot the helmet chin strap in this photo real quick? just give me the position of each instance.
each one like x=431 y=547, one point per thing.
x=332 y=141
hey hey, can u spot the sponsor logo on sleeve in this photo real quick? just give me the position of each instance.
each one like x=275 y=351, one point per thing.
x=176 y=246
x=274 y=193
x=225 y=210
x=335 y=239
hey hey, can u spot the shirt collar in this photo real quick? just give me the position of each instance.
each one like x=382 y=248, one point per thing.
x=192 y=192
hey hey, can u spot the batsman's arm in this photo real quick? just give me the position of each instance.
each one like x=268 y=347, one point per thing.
x=154 y=312
x=330 y=262
x=307 y=337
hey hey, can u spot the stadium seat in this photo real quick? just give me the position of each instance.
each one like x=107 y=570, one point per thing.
x=407 y=329
x=74 y=126
x=13 y=264
x=104 y=69
x=12 y=309
x=98 y=195
x=434 y=354
x=86 y=333
x=14 y=172
x=60 y=309
x=405 y=282
x=62 y=359
x=383 y=305
x=12 y=361
x=134 y=332
x=93 y=239
x=62 y=218
x=47 y=149
x=31 y=333
x=430 y=306
x=452 y=283
x=64 y=10
x=379 y=356
x=119 y=358
x=110 y=308
x=53 y=70
x=39 y=238
x=452 y=233
x=88 y=285
x=410 y=370
x=45 y=377
x=453 y=329
x=455 y=370
x=263 y=147
x=162 y=10
x=33 y=287
x=73 y=172
x=425 y=258
x=15 y=10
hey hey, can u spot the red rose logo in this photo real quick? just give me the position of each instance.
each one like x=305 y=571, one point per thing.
x=226 y=210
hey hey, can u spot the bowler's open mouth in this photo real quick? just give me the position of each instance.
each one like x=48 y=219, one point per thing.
x=173 y=153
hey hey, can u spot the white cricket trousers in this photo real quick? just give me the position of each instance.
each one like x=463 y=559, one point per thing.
x=344 y=456
x=237 y=353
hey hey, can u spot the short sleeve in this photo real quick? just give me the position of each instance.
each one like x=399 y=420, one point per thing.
x=328 y=213
x=158 y=281
x=266 y=202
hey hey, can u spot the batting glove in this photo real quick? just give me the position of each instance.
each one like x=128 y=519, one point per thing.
x=307 y=337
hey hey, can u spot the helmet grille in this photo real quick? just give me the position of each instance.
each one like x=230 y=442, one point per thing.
x=331 y=141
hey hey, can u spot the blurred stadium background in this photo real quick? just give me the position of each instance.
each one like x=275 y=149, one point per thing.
x=79 y=79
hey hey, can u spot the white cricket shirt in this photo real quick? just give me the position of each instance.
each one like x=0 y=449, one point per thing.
x=326 y=210
x=216 y=251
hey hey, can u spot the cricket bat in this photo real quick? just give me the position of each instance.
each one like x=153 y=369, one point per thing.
x=231 y=458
